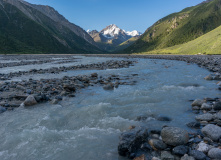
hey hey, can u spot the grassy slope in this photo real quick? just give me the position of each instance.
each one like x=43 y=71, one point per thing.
x=209 y=43
x=126 y=43
x=179 y=28
x=20 y=34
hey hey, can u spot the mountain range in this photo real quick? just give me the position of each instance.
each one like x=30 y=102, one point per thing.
x=30 y=28
x=181 y=28
x=111 y=37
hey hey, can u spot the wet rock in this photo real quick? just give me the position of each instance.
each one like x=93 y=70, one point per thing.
x=206 y=106
x=54 y=101
x=109 y=86
x=69 y=88
x=217 y=106
x=198 y=155
x=146 y=147
x=174 y=136
x=193 y=125
x=165 y=155
x=209 y=77
x=186 y=157
x=157 y=144
x=141 y=118
x=198 y=102
x=163 y=118
x=95 y=75
x=212 y=131
x=217 y=116
x=215 y=153
x=180 y=150
x=155 y=158
x=204 y=117
x=142 y=157
x=131 y=141
x=203 y=147
x=30 y=101
x=2 y=109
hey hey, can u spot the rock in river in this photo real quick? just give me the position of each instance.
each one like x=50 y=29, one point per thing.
x=2 y=109
x=212 y=131
x=198 y=102
x=109 y=86
x=204 y=117
x=131 y=141
x=30 y=101
x=174 y=136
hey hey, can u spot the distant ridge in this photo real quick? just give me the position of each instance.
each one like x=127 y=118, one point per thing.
x=179 y=28
x=30 y=28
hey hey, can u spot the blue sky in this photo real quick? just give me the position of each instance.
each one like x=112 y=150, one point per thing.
x=126 y=14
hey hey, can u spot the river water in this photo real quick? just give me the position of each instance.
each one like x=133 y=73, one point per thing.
x=88 y=126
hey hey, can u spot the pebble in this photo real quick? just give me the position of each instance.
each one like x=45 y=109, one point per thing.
x=198 y=155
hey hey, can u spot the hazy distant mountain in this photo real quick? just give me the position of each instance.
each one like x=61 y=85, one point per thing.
x=30 y=28
x=179 y=28
x=112 y=36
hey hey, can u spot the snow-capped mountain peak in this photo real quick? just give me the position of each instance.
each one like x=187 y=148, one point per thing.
x=113 y=30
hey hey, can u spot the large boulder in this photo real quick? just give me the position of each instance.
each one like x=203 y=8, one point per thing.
x=214 y=153
x=131 y=141
x=212 y=131
x=30 y=101
x=174 y=136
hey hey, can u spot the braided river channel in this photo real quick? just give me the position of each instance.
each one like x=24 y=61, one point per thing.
x=88 y=126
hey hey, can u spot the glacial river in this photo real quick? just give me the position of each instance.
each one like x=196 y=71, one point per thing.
x=88 y=126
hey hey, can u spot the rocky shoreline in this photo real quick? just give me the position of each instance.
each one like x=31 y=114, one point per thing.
x=172 y=143
x=30 y=92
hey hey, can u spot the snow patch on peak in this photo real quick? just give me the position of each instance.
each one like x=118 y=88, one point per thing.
x=133 y=33
x=89 y=30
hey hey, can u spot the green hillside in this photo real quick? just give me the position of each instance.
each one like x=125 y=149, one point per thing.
x=179 y=28
x=20 y=34
x=209 y=43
